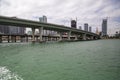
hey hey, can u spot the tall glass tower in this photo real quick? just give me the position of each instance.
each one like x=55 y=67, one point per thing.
x=104 y=27
x=86 y=26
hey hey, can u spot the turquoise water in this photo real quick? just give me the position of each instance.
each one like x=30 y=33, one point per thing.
x=85 y=60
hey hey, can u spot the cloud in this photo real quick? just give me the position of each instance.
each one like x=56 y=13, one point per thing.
x=61 y=12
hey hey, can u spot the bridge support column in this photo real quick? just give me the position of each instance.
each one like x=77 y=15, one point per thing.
x=33 y=34
x=21 y=38
x=40 y=33
x=8 y=39
x=12 y=39
x=96 y=38
x=15 y=38
x=26 y=38
x=69 y=34
x=0 y=39
x=60 y=39
x=91 y=37
x=76 y=37
x=84 y=36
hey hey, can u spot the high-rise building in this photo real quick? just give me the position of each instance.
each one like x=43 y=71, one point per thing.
x=104 y=27
x=90 y=29
x=86 y=26
x=43 y=19
x=73 y=24
x=80 y=27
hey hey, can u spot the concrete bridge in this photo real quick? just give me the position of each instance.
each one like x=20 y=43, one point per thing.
x=47 y=26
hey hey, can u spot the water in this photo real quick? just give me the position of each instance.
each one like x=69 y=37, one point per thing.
x=85 y=60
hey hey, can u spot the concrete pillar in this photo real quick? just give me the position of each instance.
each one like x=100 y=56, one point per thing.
x=21 y=39
x=33 y=34
x=60 y=36
x=26 y=38
x=69 y=34
x=76 y=37
x=96 y=38
x=46 y=33
x=12 y=39
x=40 y=33
x=84 y=36
x=15 y=38
x=0 y=39
x=8 y=39
x=92 y=37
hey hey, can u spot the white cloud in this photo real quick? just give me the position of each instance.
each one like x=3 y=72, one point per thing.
x=60 y=12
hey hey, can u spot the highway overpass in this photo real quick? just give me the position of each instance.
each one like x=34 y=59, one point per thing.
x=46 y=26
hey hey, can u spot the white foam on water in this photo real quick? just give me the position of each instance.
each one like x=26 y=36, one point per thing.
x=6 y=74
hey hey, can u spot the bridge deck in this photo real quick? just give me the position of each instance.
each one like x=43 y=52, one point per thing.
x=36 y=24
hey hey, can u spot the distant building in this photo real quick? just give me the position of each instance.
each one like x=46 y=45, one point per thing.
x=73 y=24
x=86 y=26
x=12 y=30
x=16 y=30
x=97 y=32
x=104 y=27
x=80 y=27
x=90 y=29
x=4 y=29
x=46 y=32
x=43 y=19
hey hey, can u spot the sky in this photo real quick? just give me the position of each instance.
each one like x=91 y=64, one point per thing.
x=62 y=11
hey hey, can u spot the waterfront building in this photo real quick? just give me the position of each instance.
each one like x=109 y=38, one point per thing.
x=86 y=26
x=16 y=30
x=4 y=29
x=12 y=30
x=104 y=27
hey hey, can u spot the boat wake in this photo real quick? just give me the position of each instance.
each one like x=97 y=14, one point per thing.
x=6 y=74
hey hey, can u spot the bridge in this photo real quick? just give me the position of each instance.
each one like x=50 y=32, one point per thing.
x=47 y=26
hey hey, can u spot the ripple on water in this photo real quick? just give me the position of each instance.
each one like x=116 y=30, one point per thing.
x=6 y=74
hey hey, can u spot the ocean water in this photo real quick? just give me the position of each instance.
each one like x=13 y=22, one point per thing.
x=84 y=60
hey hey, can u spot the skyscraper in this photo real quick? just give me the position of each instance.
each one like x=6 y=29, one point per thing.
x=43 y=19
x=90 y=29
x=73 y=24
x=80 y=27
x=104 y=27
x=86 y=26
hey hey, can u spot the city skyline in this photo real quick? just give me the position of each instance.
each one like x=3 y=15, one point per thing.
x=59 y=12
